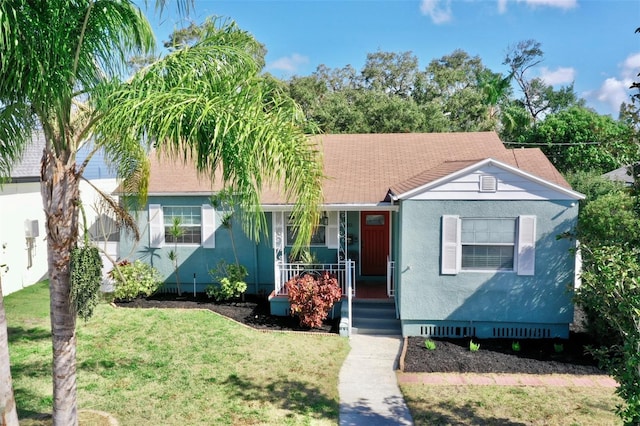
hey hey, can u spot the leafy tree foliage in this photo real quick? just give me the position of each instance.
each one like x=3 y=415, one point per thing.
x=610 y=220
x=609 y=235
x=390 y=94
x=580 y=139
x=458 y=86
x=391 y=73
x=538 y=98
x=611 y=292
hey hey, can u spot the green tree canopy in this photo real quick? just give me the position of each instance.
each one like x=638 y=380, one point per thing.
x=580 y=139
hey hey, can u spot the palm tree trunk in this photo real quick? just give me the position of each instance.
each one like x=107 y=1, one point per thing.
x=8 y=410
x=60 y=195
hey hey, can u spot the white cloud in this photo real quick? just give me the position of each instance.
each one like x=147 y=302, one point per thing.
x=561 y=4
x=502 y=6
x=615 y=90
x=631 y=66
x=288 y=64
x=559 y=76
x=439 y=11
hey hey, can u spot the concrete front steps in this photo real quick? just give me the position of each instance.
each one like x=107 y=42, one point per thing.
x=375 y=317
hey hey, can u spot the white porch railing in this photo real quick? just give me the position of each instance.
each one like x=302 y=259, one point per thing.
x=345 y=273
x=391 y=268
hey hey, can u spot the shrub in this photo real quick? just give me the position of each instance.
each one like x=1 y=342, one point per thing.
x=610 y=294
x=312 y=296
x=231 y=281
x=134 y=280
x=474 y=347
x=430 y=344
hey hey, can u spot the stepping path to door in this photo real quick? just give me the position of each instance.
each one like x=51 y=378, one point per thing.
x=369 y=392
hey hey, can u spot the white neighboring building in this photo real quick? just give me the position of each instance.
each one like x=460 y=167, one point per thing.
x=23 y=247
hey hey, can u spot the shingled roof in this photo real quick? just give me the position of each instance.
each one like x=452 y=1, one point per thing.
x=360 y=168
x=27 y=168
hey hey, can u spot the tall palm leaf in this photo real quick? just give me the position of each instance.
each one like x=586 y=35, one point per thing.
x=206 y=103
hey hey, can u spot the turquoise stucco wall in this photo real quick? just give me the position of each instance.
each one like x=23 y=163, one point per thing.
x=257 y=258
x=427 y=297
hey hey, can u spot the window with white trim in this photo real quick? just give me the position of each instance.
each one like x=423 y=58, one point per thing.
x=325 y=235
x=190 y=224
x=198 y=223
x=488 y=244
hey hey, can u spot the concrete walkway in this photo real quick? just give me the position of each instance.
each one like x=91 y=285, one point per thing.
x=369 y=392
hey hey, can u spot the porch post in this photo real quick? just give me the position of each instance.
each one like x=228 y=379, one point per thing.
x=278 y=248
x=342 y=236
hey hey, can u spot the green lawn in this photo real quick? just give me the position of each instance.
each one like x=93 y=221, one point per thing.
x=509 y=405
x=177 y=367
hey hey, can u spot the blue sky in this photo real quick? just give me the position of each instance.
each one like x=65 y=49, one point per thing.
x=588 y=42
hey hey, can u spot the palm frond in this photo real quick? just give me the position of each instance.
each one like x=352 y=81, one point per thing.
x=16 y=125
x=98 y=37
x=206 y=102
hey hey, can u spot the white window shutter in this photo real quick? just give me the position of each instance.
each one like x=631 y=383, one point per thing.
x=333 y=231
x=451 y=256
x=526 y=245
x=208 y=224
x=277 y=230
x=156 y=226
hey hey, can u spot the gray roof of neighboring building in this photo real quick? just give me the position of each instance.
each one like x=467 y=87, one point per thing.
x=621 y=175
x=27 y=168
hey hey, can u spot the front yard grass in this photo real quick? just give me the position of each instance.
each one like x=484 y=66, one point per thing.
x=177 y=367
x=506 y=405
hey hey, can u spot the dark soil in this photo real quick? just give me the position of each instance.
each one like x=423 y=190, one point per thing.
x=536 y=356
x=253 y=311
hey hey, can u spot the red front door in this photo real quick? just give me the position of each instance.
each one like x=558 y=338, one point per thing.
x=374 y=242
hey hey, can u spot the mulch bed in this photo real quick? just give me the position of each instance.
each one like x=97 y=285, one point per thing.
x=252 y=311
x=536 y=356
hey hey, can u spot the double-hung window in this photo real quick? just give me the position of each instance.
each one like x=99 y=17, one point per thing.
x=488 y=244
x=197 y=225
x=190 y=224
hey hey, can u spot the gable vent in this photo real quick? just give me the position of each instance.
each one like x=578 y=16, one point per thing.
x=488 y=183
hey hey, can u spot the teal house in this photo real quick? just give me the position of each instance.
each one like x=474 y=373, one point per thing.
x=458 y=232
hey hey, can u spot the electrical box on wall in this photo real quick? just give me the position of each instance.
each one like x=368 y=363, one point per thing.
x=31 y=228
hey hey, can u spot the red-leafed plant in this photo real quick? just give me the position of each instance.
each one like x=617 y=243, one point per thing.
x=312 y=296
